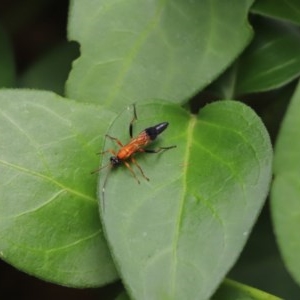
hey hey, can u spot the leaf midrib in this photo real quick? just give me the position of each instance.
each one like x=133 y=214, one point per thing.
x=49 y=179
x=133 y=52
x=190 y=131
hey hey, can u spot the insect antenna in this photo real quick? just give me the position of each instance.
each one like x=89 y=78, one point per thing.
x=103 y=187
x=105 y=180
x=99 y=169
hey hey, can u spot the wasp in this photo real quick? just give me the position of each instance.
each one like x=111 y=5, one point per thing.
x=135 y=145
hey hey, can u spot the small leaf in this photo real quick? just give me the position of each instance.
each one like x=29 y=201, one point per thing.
x=49 y=224
x=232 y=290
x=271 y=61
x=285 y=194
x=135 y=51
x=288 y=10
x=50 y=72
x=176 y=236
x=123 y=296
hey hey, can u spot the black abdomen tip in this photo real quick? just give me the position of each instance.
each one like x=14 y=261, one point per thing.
x=154 y=131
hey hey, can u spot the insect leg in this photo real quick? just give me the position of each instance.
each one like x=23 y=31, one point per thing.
x=115 y=140
x=158 y=149
x=139 y=167
x=132 y=121
x=131 y=170
x=112 y=151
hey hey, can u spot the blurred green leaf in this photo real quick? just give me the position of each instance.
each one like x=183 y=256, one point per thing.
x=232 y=290
x=176 y=236
x=134 y=51
x=51 y=71
x=260 y=258
x=271 y=61
x=288 y=10
x=49 y=223
x=7 y=64
x=123 y=296
x=285 y=194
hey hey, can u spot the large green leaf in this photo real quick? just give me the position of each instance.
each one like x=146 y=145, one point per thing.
x=49 y=224
x=176 y=236
x=133 y=51
x=286 y=188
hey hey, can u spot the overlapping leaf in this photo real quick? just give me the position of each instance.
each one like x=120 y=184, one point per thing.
x=288 y=10
x=49 y=225
x=286 y=188
x=271 y=61
x=176 y=236
x=232 y=290
x=135 y=51
x=51 y=71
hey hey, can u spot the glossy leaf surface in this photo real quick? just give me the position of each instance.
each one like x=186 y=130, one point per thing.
x=176 y=236
x=49 y=223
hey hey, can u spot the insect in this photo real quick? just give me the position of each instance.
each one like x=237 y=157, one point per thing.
x=135 y=145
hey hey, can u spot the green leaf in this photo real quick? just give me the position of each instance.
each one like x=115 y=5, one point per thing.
x=134 y=51
x=123 y=296
x=288 y=10
x=176 y=236
x=49 y=223
x=232 y=290
x=7 y=65
x=271 y=61
x=285 y=194
x=50 y=72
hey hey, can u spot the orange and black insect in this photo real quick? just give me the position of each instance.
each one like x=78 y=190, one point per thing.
x=135 y=145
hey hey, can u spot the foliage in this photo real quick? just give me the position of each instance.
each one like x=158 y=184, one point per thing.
x=178 y=235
